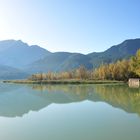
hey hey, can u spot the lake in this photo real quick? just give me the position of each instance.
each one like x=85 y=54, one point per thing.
x=69 y=112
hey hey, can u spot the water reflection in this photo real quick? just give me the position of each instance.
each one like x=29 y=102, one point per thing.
x=17 y=100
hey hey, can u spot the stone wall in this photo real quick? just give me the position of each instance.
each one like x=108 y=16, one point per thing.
x=134 y=82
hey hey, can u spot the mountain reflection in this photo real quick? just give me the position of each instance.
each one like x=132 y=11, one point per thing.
x=17 y=100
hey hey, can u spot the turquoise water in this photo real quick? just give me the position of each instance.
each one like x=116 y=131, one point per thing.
x=69 y=112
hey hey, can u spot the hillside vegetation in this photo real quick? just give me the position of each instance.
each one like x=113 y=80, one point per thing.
x=121 y=70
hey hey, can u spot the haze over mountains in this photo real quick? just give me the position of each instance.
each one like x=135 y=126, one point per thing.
x=19 y=60
x=18 y=54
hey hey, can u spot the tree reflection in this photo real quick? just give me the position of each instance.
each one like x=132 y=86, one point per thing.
x=120 y=96
x=17 y=100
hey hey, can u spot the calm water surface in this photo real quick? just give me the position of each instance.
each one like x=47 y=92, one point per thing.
x=69 y=112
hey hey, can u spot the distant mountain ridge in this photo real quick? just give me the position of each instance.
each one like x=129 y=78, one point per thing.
x=123 y=50
x=19 y=56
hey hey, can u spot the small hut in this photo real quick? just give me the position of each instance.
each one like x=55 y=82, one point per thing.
x=134 y=82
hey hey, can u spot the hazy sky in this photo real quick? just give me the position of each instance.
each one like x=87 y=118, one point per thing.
x=70 y=25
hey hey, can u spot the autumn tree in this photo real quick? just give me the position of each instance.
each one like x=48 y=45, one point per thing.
x=81 y=72
x=135 y=63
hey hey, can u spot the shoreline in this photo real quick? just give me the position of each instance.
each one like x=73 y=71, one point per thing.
x=64 y=82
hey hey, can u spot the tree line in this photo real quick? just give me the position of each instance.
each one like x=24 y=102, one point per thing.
x=120 y=70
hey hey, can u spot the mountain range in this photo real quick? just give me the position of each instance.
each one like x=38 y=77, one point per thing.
x=19 y=60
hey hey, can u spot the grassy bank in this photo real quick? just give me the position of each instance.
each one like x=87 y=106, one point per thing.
x=63 y=81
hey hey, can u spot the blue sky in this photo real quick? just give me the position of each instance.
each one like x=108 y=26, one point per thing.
x=70 y=25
